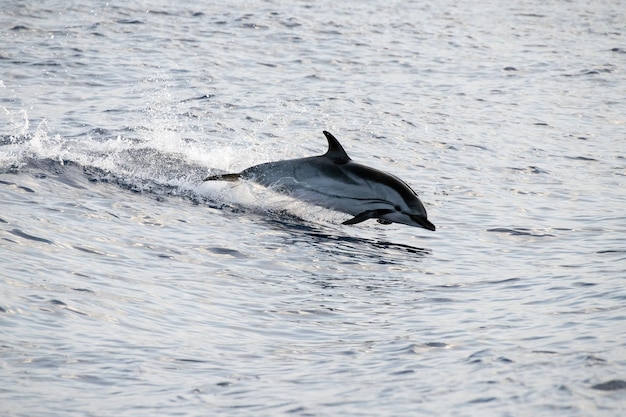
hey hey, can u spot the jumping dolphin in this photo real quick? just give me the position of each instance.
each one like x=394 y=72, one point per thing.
x=335 y=182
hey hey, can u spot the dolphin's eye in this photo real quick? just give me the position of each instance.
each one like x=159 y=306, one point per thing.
x=398 y=208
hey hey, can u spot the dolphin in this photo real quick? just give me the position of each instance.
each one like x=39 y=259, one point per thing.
x=334 y=182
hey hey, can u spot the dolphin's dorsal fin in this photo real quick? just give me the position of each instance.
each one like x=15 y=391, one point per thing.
x=335 y=151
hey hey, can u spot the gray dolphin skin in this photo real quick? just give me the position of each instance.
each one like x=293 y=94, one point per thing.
x=334 y=182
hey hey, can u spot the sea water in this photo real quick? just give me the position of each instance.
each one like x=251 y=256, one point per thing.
x=131 y=287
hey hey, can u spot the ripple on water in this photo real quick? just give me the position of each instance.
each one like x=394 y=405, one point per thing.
x=121 y=270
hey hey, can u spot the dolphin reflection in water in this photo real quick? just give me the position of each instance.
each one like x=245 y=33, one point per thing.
x=334 y=182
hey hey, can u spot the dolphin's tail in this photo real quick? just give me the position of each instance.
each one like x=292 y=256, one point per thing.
x=224 y=177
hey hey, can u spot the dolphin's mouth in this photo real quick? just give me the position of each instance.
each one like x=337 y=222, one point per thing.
x=423 y=221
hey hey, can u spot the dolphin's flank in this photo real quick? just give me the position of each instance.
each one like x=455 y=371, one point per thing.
x=335 y=182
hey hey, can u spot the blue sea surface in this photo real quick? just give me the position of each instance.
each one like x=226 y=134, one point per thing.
x=131 y=287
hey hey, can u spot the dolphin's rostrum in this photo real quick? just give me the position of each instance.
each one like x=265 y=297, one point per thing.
x=335 y=182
